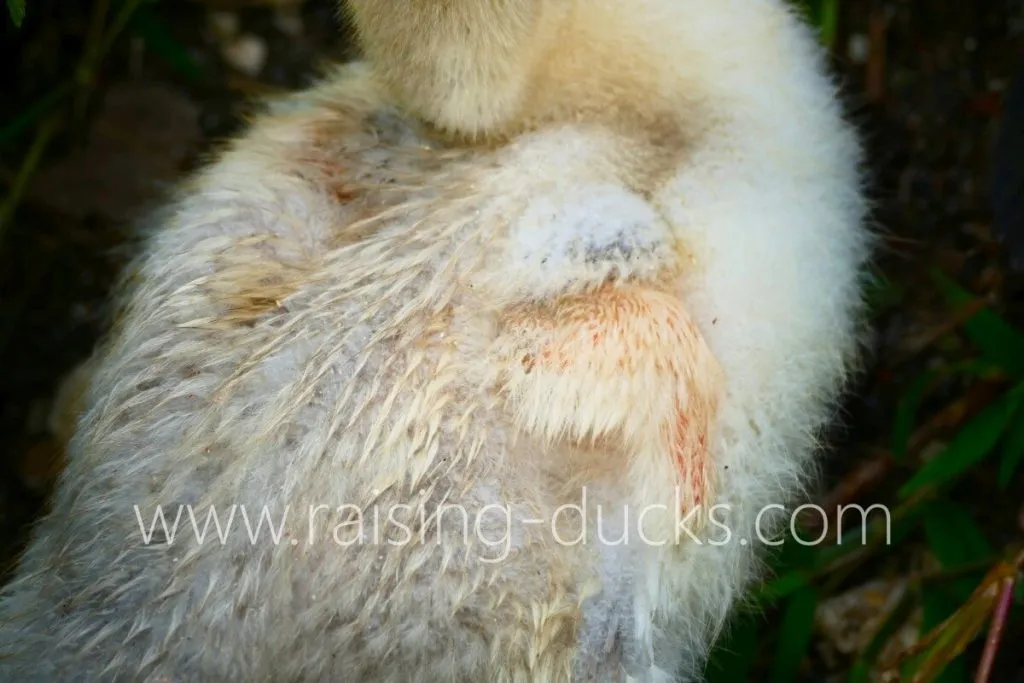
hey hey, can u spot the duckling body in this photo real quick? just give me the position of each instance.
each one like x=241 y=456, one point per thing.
x=492 y=383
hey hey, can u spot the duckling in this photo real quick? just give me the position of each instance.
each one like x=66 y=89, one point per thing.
x=494 y=356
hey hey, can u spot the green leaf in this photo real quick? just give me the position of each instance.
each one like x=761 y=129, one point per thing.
x=995 y=339
x=953 y=536
x=971 y=444
x=906 y=414
x=956 y=541
x=734 y=656
x=795 y=633
x=910 y=402
x=16 y=8
x=1013 y=450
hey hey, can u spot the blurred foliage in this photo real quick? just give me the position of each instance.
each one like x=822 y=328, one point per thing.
x=16 y=8
x=65 y=103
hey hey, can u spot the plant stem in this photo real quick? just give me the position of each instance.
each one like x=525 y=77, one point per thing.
x=86 y=71
x=28 y=168
x=995 y=632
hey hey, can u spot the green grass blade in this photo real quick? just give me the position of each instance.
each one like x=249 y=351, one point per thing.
x=942 y=662
x=994 y=337
x=956 y=542
x=953 y=536
x=910 y=402
x=795 y=632
x=1013 y=450
x=971 y=444
x=906 y=414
